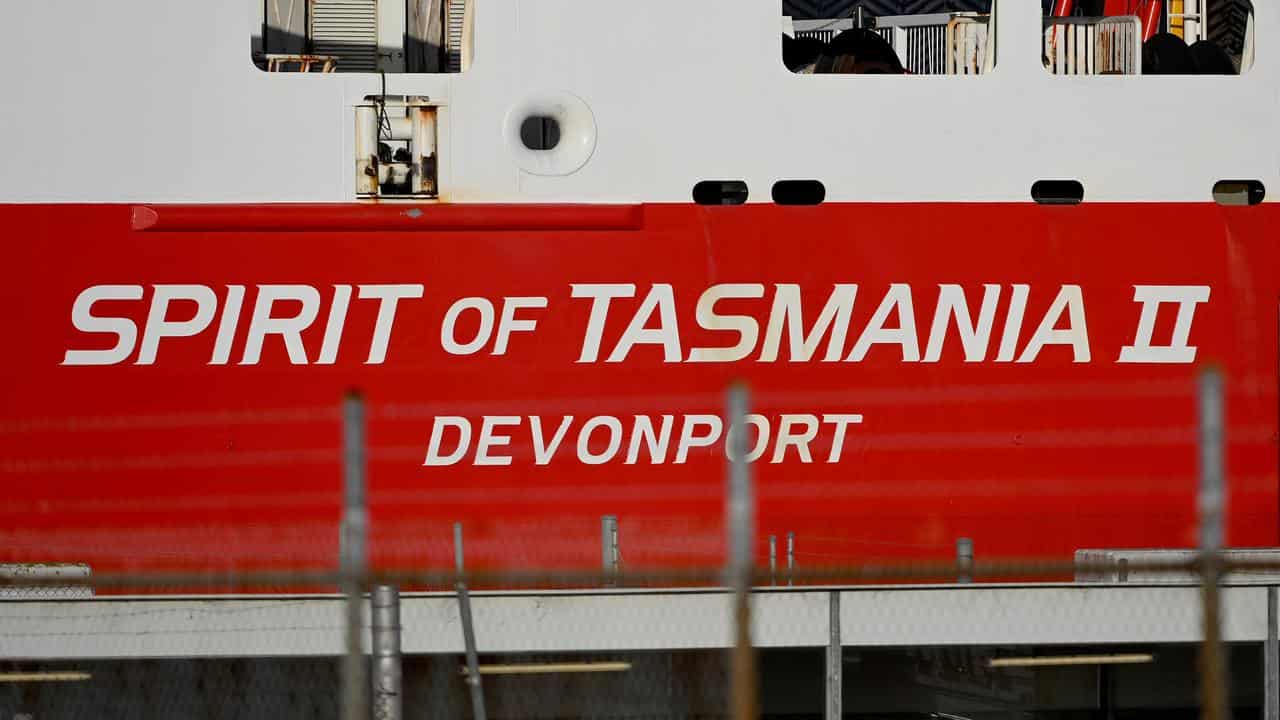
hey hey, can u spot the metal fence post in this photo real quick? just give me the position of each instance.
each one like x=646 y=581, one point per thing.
x=468 y=630
x=773 y=560
x=964 y=560
x=388 y=702
x=740 y=509
x=609 y=554
x=1271 y=658
x=835 y=661
x=1213 y=671
x=355 y=680
x=791 y=558
x=459 y=561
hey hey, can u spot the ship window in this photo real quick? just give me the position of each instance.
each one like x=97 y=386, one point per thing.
x=951 y=38
x=799 y=192
x=1147 y=37
x=362 y=36
x=720 y=192
x=1239 y=192
x=1058 y=192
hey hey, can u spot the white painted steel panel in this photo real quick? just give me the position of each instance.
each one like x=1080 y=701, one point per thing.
x=617 y=621
x=122 y=628
x=1044 y=616
x=547 y=623
x=522 y=622
x=675 y=102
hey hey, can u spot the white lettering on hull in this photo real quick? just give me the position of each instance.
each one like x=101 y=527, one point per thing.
x=960 y=324
x=603 y=439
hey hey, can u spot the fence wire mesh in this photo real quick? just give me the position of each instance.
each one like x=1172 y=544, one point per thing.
x=649 y=616
x=864 y=641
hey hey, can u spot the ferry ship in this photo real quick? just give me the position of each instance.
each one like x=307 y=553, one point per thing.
x=970 y=263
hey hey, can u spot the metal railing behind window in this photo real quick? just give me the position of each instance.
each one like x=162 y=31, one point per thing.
x=823 y=30
x=970 y=50
x=926 y=44
x=938 y=43
x=1093 y=45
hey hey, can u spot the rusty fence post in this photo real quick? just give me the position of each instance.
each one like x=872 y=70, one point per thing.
x=740 y=512
x=474 y=683
x=1214 y=695
x=355 y=525
x=388 y=690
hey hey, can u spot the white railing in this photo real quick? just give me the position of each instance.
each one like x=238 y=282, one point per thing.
x=970 y=49
x=939 y=43
x=1192 y=23
x=929 y=44
x=823 y=30
x=1247 y=55
x=1093 y=45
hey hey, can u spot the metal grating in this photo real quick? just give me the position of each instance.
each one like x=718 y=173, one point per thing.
x=456 y=13
x=455 y=30
x=347 y=29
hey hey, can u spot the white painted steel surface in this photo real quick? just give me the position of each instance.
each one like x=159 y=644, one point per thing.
x=628 y=620
x=1045 y=616
x=674 y=103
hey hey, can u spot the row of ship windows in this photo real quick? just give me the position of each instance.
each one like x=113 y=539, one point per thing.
x=899 y=37
x=1079 y=37
x=1044 y=192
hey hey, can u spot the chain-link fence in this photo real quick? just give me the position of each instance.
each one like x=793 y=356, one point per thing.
x=794 y=623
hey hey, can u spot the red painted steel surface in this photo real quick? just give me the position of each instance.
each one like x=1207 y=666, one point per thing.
x=183 y=464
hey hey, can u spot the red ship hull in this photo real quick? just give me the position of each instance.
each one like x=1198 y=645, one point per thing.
x=180 y=463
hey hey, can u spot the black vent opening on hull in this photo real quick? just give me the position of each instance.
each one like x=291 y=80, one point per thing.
x=799 y=192
x=720 y=192
x=540 y=132
x=1058 y=192
x=1239 y=192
